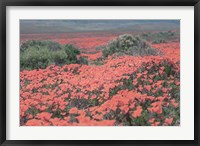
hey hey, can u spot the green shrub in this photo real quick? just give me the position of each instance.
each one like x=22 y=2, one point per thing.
x=40 y=54
x=83 y=60
x=35 y=58
x=128 y=44
x=60 y=58
x=53 y=46
x=71 y=52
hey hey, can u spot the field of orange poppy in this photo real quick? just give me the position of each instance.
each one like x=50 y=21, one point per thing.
x=118 y=89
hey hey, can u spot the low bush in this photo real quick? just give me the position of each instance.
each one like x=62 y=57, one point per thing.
x=60 y=58
x=83 y=60
x=129 y=44
x=40 y=54
x=71 y=51
x=34 y=58
x=159 y=41
x=53 y=46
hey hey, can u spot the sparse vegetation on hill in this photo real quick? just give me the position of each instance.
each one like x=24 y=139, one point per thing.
x=161 y=37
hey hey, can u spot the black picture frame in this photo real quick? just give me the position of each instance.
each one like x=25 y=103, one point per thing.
x=5 y=3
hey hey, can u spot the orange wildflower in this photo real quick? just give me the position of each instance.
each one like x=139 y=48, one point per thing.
x=73 y=110
x=137 y=112
x=168 y=120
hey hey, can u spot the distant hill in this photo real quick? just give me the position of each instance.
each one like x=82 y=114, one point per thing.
x=61 y=26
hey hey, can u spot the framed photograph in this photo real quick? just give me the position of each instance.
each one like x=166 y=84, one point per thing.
x=99 y=72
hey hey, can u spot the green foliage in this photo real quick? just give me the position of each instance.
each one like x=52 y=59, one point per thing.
x=35 y=58
x=161 y=37
x=71 y=51
x=98 y=62
x=128 y=44
x=83 y=60
x=60 y=58
x=53 y=46
x=40 y=54
x=159 y=41
x=82 y=103
x=100 y=48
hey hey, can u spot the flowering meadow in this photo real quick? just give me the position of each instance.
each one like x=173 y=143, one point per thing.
x=112 y=90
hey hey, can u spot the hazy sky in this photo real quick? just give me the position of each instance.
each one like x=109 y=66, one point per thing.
x=59 y=26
